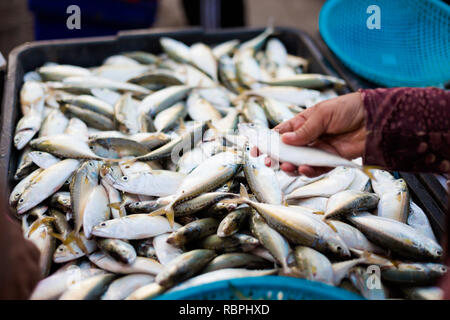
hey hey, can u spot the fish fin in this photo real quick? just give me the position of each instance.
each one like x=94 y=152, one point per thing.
x=168 y=211
x=73 y=236
x=330 y=225
x=182 y=125
x=366 y=171
x=243 y=192
x=115 y=205
x=243 y=197
x=57 y=236
x=39 y=222
x=170 y=215
x=65 y=241
x=158 y=212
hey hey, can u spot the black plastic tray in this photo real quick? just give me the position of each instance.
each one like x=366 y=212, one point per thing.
x=89 y=52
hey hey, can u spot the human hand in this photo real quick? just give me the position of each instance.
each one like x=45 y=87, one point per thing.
x=336 y=125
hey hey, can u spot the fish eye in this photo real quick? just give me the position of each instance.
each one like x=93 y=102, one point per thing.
x=127 y=167
x=439 y=252
x=39 y=152
x=103 y=224
x=21 y=201
x=338 y=248
x=65 y=201
x=136 y=203
x=17 y=195
x=443 y=269
x=91 y=147
x=60 y=249
x=125 y=178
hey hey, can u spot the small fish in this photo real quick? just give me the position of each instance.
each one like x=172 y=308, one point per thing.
x=164 y=251
x=396 y=236
x=121 y=288
x=349 y=201
x=45 y=184
x=192 y=231
x=314 y=265
x=140 y=265
x=184 y=267
x=413 y=273
x=237 y=260
x=132 y=227
x=394 y=196
x=269 y=142
x=89 y=289
x=233 y=221
x=335 y=181
x=118 y=249
x=272 y=240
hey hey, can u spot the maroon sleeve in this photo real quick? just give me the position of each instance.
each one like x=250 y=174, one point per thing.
x=19 y=258
x=408 y=129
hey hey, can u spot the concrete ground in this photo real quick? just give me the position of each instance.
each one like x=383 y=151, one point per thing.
x=16 y=23
x=302 y=14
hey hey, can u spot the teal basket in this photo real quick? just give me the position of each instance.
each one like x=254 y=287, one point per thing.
x=262 y=288
x=411 y=48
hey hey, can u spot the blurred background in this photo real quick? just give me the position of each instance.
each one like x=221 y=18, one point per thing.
x=28 y=20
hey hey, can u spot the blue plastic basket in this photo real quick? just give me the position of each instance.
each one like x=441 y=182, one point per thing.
x=412 y=47
x=262 y=288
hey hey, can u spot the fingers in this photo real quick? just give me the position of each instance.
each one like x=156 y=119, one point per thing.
x=304 y=170
x=288 y=167
x=254 y=152
x=294 y=123
x=314 y=125
x=313 y=171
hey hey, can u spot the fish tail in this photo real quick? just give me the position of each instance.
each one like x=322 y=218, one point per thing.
x=115 y=205
x=168 y=211
x=39 y=222
x=330 y=225
x=65 y=241
x=75 y=236
x=243 y=197
x=366 y=170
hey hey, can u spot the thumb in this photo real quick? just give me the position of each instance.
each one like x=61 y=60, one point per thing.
x=313 y=127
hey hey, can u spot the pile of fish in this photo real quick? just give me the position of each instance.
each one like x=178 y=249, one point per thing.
x=138 y=177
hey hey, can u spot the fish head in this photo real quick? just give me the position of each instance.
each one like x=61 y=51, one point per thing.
x=106 y=228
x=437 y=269
x=336 y=245
x=63 y=253
x=21 y=138
x=110 y=172
x=433 y=249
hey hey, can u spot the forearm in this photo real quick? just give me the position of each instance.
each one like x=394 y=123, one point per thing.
x=408 y=129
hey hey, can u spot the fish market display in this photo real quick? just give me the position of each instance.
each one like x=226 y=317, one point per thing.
x=136 y=177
